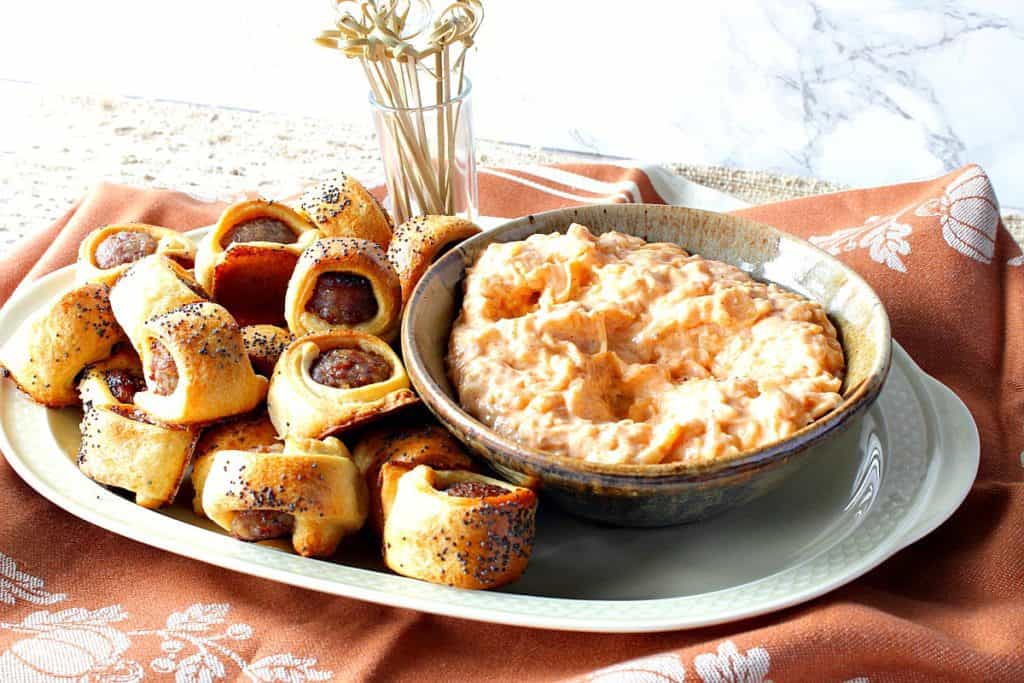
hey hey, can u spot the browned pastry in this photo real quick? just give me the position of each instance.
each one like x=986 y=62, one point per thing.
x=196 y=367
x=311 y=491
x=410 y=445
x=342 y=207
x=245 y=261
x=420 y=241
x=123 y=446
x=344 y=282
x=122 y=375
x=264 y=344
x=247 y=433
x=328 y=382
x=52 y=346
x=107 y=252
x=150 y=287
x=454 y=527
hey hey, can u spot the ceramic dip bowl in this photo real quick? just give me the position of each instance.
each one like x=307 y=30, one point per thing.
x=668 y=493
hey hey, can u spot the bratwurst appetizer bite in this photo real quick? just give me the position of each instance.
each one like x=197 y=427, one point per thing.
x=152 y=286
x=328 y=382
x=253 y=432
x=347 y=283
x=422 y=240
x=310 y=491
x=342 y=207
x=454 y=527
x=124 y=447
x=245 y=261
x=264 y=345
x=48 y=351
x=196 y=367
x=107 y=252
x=408 y=445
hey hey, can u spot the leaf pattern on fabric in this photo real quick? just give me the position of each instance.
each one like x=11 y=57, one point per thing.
x=18 y=585
x=883 y=236
x=197 y=618
x=88 y=646
x=286 y=668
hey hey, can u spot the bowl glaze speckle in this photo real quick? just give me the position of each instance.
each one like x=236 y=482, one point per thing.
x=667 y=493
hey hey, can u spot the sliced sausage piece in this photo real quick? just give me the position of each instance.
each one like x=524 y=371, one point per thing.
x=349 y=368
x=124 y=384
x=163 y=371
x=127 y=246
x=343 y=299
x=260 y=525
x=260 y=230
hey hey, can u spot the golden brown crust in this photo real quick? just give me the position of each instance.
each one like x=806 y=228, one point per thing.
x=467 y=542
x=250 y=278
x=410 y=445
x=264 y=344
x=52 y=346
x=342 y=207
x=246 y=433
x=419 y=241
x=348 y=255
x=300 y=406
x=171 y=244
x=150 y=287
x=125 y=447
x=122 y=357
x=313 y=481
x=214 y=376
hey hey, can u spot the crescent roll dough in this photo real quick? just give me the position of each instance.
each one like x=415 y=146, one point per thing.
x=344 y=282
x=299 y=405
x=245 y=261
x=457 y=528
x=49 y=349
x=311 y=491
x=122 y=446
x=410 y=445
x=106 y=253
x=151 y=287
x=246 y=433
x=196 y=367
x=342 y=207
x=420 y=241
x=264 y=344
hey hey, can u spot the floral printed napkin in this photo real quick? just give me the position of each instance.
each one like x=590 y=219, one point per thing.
x=80 y=604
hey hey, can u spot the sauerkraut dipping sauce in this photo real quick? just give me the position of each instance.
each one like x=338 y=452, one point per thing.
x=615 y=350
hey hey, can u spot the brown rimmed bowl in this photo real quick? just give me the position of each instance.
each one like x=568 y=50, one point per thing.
x=668 y=493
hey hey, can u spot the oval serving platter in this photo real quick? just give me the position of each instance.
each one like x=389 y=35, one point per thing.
x=890 y=479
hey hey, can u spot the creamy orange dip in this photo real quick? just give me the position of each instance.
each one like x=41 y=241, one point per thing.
x=614 y=350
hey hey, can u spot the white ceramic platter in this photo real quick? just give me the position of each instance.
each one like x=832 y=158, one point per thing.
x=881 y=485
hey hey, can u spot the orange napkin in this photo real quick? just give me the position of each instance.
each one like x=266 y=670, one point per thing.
x=79 y=603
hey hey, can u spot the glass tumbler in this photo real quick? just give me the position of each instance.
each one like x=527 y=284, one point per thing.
x=429 y=157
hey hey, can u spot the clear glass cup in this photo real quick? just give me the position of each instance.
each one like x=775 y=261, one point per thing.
x=429 y=157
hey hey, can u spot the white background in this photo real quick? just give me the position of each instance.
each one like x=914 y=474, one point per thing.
x=862 y=93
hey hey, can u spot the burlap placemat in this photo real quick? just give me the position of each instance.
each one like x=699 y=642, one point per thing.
x=73 y=141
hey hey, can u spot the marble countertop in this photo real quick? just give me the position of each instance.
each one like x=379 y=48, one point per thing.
x=862 y=93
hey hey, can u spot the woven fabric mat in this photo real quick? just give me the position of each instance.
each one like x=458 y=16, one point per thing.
x=58 y=145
